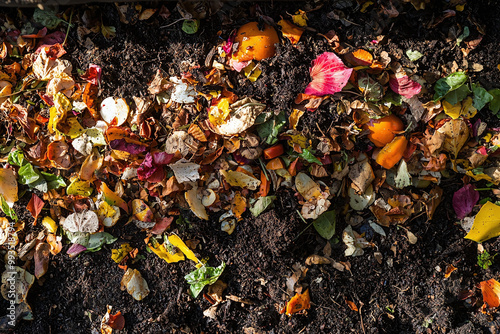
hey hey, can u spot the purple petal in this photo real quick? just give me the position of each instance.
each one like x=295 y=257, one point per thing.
x=464 y=200
x=76 y=249
x=122 y=145
x=162 y=158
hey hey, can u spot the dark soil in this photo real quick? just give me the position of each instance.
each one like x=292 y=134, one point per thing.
x=407 y=293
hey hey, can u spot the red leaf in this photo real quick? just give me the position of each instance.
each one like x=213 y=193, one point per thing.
x=161 y=225
x=403 y=85
x=329 y=75
x=35 y=206
x=116 y=321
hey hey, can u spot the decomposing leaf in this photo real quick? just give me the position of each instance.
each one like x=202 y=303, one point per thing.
x=185 y=171
x=449 y=269
x=135 y=284
x=112 y=321
x=403 y=178
x=361 y=174
x=114 y=111
x=299 y=302
x=8 y=186
x=354 y=242
x=239 y=179
x=290 y=31
x=41 y=259
x=456 y=134
x=85 y=221
x=360 y=202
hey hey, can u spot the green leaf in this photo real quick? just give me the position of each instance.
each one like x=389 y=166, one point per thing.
x=448 y=84
x=495 y=102
x=392 y=98
x=413 y=55
x=200 y=277
x=7 y=209
x=481 y=97
x=109 y=32
x=46 y=18
x=325 y=224
x=463 y=35
x=457 y=95
x=97 y=240
x=309 y=157
x=54 y=181
x=270 y=129
x=80 y=238
x=28 y=174
x=16 y=158
x=372 y=90
x=261 y=205
x=190 y=26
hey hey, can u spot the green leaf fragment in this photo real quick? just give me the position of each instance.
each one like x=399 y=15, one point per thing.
x=481 y=97
x=190 y=26
x=7 y=209
x=413 y=55
x=261 y=205
x=448 y=84
x=325 y=224
x=203 y=276
x=495 y=102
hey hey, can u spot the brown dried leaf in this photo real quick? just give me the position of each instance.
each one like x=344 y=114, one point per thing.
x=198 y=134
x=456 y=134
x=41 y=259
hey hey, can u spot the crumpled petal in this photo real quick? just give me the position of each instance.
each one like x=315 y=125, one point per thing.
x=329 y=75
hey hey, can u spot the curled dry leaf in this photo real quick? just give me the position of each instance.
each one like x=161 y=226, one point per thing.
x=307 y=187
x=195 y=203
x=185 y=171
x=8 y=186
x=361 y=174
x=456 y=134
x=359 y=202
x=135 y=284
x=41 y=259
x=24 y=280
x=298 y=303
x=317 y=259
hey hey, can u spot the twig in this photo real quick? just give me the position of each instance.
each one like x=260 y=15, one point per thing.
x=171 y=24
x=361 y=316
x=303 y=229
x=69 y=26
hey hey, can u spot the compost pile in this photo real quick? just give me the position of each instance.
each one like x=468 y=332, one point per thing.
x=190 y=167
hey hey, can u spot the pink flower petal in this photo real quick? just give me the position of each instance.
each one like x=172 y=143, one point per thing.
x=404 y=86
x=464 y=200
x=238 y=65
x=329 y=75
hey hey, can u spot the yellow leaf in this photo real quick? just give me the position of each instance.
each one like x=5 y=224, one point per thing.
x=365 y=6
x=49 y=224
x=75 y=129
x=468 y=110
x=252 y=71
x=239 y=179
x=8 y=186
x=112 y=198
x=298 y=139
x=162 y=252
x=486 y=223
x=119 y=254
x=298 y=303
x=452 y=110
x=177 y=242
x=218 y=114
x=294 y=118
x=300 y=18
x=81 y=188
